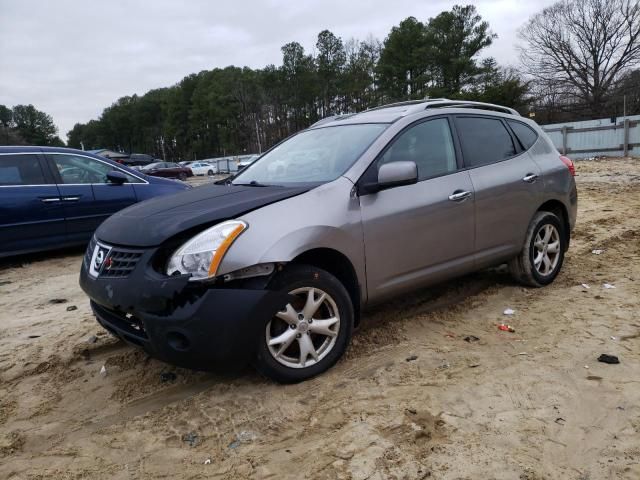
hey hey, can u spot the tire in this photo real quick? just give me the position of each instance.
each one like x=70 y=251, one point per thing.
x=282 y=361
x=530 y=267
x=210 y=173
x=182 y=176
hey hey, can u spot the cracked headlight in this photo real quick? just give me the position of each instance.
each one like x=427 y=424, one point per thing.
x=201 y=255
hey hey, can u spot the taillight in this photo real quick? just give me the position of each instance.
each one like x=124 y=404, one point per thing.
x=569 y=164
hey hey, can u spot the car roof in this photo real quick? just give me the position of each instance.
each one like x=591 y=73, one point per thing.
x=394 y=111
x=37 y=149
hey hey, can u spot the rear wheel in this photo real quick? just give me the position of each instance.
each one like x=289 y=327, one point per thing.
x=182 y=176
x=210 y=173
x=311 y=332
x=542 y=254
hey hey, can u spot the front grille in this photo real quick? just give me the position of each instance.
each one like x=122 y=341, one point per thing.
x=120 y=263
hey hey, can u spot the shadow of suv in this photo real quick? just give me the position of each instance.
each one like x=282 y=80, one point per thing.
x=275 y=265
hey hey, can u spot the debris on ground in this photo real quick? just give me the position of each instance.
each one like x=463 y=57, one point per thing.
x=5 y=282
x=243 y=437
x=207 y=461
x=586 y=286
x=506 y=328
x=471 y=338
x=608 y=285
x=58 y=300
x=560 y=421
x=71 y=308
x=103 y=371
x=509 y=311
x=597 y=251
x=191 y=438
x=92 y=339
x=610 y=359
x=34 y=336
x=167 y=377
x=411 y=358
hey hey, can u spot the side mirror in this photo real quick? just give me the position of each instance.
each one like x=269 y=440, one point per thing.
x=394 y=174
x=117 y=178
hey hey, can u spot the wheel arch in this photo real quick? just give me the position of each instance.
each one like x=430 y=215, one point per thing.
x=560 y=210
x=338 y=265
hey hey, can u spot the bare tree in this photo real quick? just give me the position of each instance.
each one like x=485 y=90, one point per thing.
x=583 y=46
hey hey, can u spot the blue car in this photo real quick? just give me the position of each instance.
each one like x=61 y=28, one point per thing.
x=56 y=197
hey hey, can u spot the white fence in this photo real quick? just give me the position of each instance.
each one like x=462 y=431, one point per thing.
x=604 y=137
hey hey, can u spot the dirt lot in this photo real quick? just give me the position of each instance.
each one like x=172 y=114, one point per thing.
x=412 y=399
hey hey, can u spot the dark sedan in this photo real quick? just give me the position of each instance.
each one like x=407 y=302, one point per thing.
x=167 y=170
x=57 y=197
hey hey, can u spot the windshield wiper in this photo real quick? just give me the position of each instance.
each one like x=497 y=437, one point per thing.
x=252 y=183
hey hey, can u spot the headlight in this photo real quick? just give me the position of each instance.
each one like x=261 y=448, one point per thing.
x=201 y=256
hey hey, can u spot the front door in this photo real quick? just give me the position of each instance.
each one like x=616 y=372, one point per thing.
x=88 y=197
x=422 y=233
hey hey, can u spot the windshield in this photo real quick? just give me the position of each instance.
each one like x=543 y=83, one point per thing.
x=312 y=156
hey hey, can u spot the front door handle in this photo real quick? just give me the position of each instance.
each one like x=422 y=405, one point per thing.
x=71 y=199
x=459 y=196
x=530 y=178
x=49 y=199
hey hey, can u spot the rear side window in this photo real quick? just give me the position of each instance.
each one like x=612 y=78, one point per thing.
x=429 y=144
x=484 y=140
x=526 y=135
x=20 y=170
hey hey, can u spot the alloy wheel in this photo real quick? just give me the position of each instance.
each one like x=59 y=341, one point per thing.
x=546 y=249
x=306 y=330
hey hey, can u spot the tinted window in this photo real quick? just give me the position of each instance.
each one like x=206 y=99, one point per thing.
x=428 y=144
x=78 y=170
x=20 y=170
x=526 y=135
x=484 y=140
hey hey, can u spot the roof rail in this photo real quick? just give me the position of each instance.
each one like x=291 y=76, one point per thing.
x=443 y=103
x=332 y=118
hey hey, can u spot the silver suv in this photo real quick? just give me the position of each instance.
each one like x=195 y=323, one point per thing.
x=275 y=265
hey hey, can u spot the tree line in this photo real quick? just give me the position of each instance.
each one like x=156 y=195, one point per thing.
x=26 y=125
x=579 y=60
x=235 y=110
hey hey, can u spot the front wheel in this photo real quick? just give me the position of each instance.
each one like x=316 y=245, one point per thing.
x=311 y=332
x=182 y=176
x=542 y=254
x=210 y=173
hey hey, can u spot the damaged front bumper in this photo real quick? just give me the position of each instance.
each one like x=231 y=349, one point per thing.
x=184 y=323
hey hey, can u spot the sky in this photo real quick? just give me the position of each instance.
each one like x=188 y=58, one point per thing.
x=73 y=58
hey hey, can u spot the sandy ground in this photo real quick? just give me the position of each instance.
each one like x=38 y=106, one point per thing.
x=412 y=399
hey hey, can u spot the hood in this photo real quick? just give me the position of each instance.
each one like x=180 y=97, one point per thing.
x=149 y=223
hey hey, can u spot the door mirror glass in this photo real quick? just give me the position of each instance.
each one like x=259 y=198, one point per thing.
x=395 y=174
x=117 y=178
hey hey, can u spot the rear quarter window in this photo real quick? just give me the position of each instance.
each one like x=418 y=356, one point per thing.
x=527 y=136
x=484 y=140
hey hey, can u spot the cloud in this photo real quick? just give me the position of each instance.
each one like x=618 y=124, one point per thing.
x=72 y=58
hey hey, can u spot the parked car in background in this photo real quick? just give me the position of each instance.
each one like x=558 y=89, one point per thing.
x=138 y=160
x=275 y=265
x=244 y=162
x=56 y=197
x=203 y=168
x=167 y=170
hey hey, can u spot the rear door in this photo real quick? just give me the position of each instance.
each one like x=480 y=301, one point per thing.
x=87 y=196
x=31 y=213
x=422 y=233
x=506 y=182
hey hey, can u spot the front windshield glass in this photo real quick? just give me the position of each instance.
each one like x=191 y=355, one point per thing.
x=313 y=156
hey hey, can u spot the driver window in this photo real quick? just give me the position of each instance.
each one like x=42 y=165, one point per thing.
x=429 y=144
x=78 y=170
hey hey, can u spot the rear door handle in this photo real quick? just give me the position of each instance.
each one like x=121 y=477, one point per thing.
x=530 y=178
x=49 y=199
x=459 y=195
x=71 y=199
